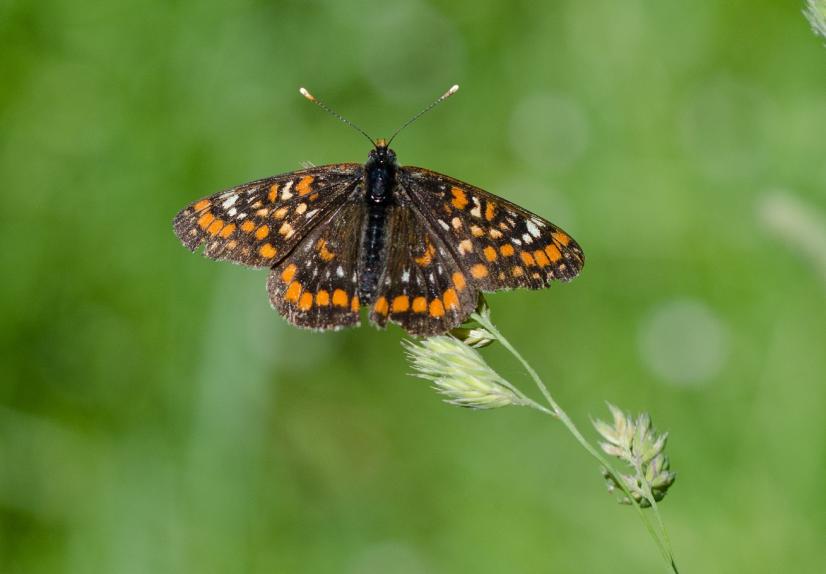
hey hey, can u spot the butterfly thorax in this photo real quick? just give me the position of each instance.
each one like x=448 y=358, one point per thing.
x=379 y=182
x=380 y=175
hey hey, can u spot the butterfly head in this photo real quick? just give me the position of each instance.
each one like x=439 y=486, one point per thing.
x=381 y=155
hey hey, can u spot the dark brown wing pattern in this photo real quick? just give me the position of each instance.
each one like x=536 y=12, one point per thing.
x=423 y=288
x=315 y=286
x=501 y=245
x=258 y=223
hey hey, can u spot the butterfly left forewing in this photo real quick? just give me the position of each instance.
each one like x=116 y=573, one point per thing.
x=423 y=288
x=502 y=245
x=258 y=223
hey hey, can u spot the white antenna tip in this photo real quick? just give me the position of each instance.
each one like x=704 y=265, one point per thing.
x=452 y=90
x=308 y=95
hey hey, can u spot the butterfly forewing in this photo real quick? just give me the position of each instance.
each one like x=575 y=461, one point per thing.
x=258 y=223
x=501 y=245
x=315 y=286
x=423 y=288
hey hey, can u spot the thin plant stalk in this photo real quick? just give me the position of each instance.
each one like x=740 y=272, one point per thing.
x=661 y=538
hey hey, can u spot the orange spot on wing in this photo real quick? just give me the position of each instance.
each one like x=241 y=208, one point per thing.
x=465 y=246
x=490 y=253
x=459 y=280
x=553 y=253
x=451 y=299
x=303 y=187
x=541 y=258
x=459 y=198
x=427 y=257
x=436 y=308
x=205 y=220
x=293 y=291
x=280 y=213
x=477 y=231
x=215 y=227
x=401 y=304
x=561 y=238
x=489 y=211
x=381 y=306
x=227 y=230
x=306 y=301
x=355 y=304
x=262 y=232
x=273 y=193
x=340 y=298
x=527 y=258
x=325 y=253
x=419 y=305
x=267 y=251
x=247 y=226
x=517 y=271
x=322 y=298
x=479 y=271
x=288 y=273
x=201 y=205
x=313 y=197
x=506 y=250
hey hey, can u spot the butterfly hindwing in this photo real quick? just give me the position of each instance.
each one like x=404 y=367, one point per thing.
x=422 y=288
x=258 y=223
x=501 y=245
x=315 y=286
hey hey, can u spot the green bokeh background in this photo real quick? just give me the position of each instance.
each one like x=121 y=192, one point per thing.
x=157 y=416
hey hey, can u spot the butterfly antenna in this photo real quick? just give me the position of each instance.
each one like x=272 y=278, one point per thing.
x=324 y=107
x=439 y=100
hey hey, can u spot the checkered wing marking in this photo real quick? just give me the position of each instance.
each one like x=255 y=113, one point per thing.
x=258 y=223
x=315 y=286
x=423 y=288
x=501 y=245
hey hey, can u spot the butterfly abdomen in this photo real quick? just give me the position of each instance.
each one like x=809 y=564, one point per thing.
x=372 y=252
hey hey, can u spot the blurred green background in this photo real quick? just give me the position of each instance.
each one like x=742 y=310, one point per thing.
x=157 y=416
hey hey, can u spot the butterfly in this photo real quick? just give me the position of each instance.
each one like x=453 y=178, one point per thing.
x=413 y=246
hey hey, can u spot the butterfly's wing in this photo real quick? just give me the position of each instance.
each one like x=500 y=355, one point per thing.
x=423 y=287
x=258 y=223
x=502 y=245
x=315 y=286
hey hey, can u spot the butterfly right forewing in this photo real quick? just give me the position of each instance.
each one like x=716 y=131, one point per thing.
x=502 y=245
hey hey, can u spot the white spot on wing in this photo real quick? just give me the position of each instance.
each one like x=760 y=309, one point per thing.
x=285 y=193
x=444 y=225
x=532 y=228
x=405 y=276
x=477 y=209
x=230 y=201
x=232 y=212
x=340 y=271
x=527 y=238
